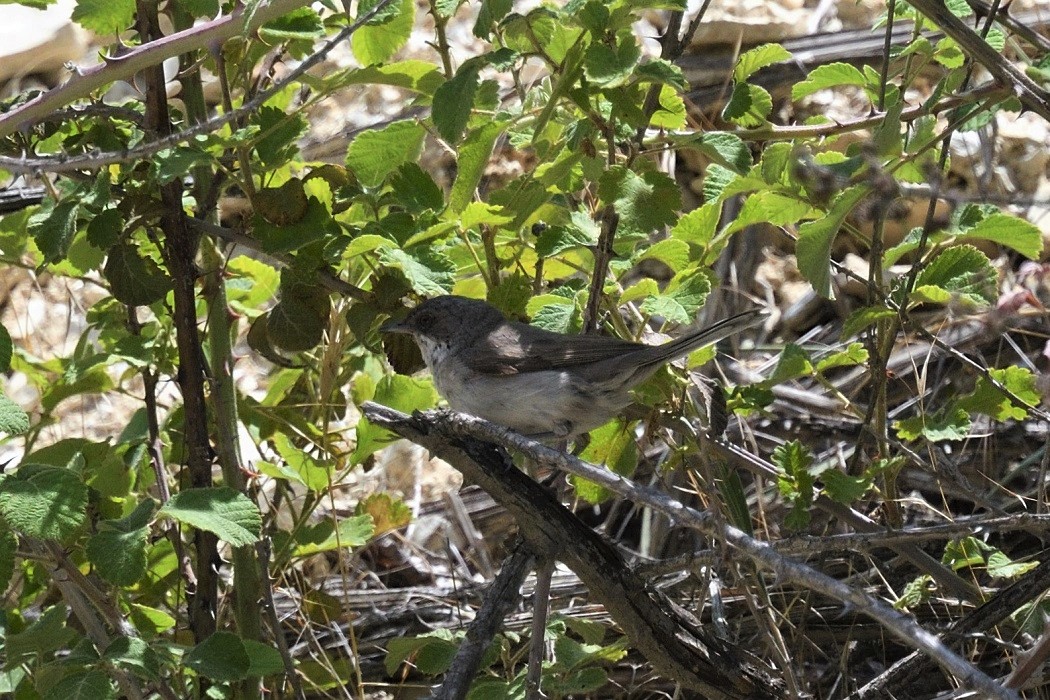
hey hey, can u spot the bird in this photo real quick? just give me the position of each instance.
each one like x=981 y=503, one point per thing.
x=541 y=384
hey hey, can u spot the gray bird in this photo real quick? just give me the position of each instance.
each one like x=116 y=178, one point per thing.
x=536 y=382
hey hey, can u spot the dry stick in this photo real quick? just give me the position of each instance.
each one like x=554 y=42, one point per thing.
x=895 y=681
x=263 y=550
x=502 y=595
x=444 y=433
x=672 y=639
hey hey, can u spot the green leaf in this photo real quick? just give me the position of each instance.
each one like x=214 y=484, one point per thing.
x=950 y=424
x=727 y=149
x=429 y=272
x=758 y=58
x=645 y=201
x=106 y=228
x=453 y=103
x=104 y=17
x=418 y=76
x=964 y=553
x=82 y=685
x=431 y=653
x=962 y=272
x=302 y=24
x=828 y=76
x=748 y=106
x=229 y=515
x=684 y=296
x=610 y=66
x=813 y=249
x=794 y=363
x=118 y=549
x=387 y=513
x=221 y=657
x=670 y=114
x=405 y=394
x=134 y=279
x=41 y=501
x=135 y=655
x=53 y=228
x=376 y=153
x=864 y=318
x=855 y=354
x=1001 y=566
x=699 y=226
x=474 y=156
x=989 y=400
x=1010 y=231
x=278 y=135
x=773 y=208
x=554 y=313
x=612 y=445
x=842 y=487
x=670 y=251
x=355 y=531
x=13 y=420
x=294 y=324
x=558 y=239
x=377 y=43
x=8 y=549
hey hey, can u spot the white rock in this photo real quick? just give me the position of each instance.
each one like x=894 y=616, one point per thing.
x=39 y=41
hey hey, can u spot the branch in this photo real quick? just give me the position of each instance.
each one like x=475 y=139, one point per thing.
x=669 y=637
x=454 y=437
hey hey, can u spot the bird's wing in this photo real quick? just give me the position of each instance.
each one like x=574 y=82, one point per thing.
x=513 y=348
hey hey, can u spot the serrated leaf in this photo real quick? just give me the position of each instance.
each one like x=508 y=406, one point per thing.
x=474 y=156
x=813 y=249
x=301 y=24
x=294 y=326
x=855 y=354
x=229 y=515
x=1010 y=231
x=963 y=553
x=354 y=531
x=377 y=43
x=842 y=487
x=610 y=66
x=136 y=655
x=558 y=239
x=405 y=394
x=671 y=111
x=135 y=279
x=388 y=513
x=794 y=363
x=699 y=226
x=415 y=189
x=554 y=313
x=53 y=229
x=119 y=557
x=950 y=424
x=8 y=549
x=990 y=401
x=683 y=298
x=278 y=134
x=1001 y=566
x=104 y=17
x=758 y=58
x=46 y=502
x=613 y=446
x=376 y=153
x=645 y=201
x=726 y=149
x=672 y=252
x=221 y=657
x=412 y=74
x=748 y=106
x=82 y=685
x=13 y=420
x=864 y=318
x=453 y=103
x=773 y=208
x=828 y=76
x=428 y=272
x=963 y=271
x=658 y=70
x=106 y=228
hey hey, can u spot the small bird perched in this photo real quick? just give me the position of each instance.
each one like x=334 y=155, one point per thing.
x=536 y=382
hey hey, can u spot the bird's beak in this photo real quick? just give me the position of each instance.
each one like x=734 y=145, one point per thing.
x=394 y=326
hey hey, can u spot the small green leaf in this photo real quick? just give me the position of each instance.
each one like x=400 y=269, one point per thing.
x=46 y=502
x=842 y=487
x=684 y=296
x=961 y=271
x=119 y=557
x=429 y=272
x=699 y=226
x=354 y=531
x=13 y=420
x=229 y=515
x=453 y=103
x=1010 y=231
x=645 y=201
x=864 y=318
x=82 y=685
x=558 y=239
x=748 y=106
x=134 y=279
x=671 y=111
x=773 y=208
x=758 y=58
x=8 y=549
x=964 y=553
x=105 y=17
x=813 y=249
x=53 y=228
x=1001 y=566
x=990 y=401
x=828 y=76
x=387 y=513
x=950 y=424
x=135 y=655
x=376 y=153
x=221 y=657
x=794 y=363
x=855 y=354
x=279 y=133
x=612 y=445
x=610 y=66
x=474 y=156
x=377 y=43
x=554 y=313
